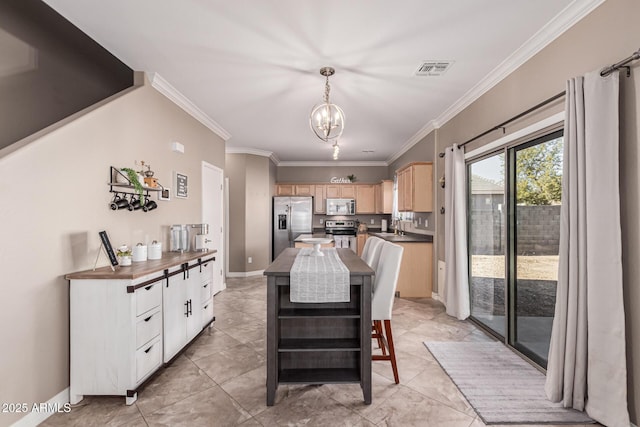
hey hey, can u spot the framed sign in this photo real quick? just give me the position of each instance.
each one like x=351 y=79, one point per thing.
x=181 y=185
x=107 y=247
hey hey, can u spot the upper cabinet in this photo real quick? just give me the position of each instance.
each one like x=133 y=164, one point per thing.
x=365 y=199
x=341 y=191
x=415 y=187
x=319 y=199
x=295 y=189
x=384 y=197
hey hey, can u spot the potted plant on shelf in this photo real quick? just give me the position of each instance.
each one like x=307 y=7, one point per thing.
x=351 y=178
x=124 y=255
x=133 y=179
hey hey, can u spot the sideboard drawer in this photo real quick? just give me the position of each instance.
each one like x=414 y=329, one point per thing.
x=148 y=358
x=148 y=326
x=148 y=297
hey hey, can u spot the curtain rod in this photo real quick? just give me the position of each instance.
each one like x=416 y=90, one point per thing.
x=603 y=73
x=516 y=117
x=621 y=64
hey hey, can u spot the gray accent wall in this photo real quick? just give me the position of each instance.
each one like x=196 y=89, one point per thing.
x=49 y=69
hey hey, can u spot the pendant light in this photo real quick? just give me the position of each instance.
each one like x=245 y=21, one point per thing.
x=327 y=119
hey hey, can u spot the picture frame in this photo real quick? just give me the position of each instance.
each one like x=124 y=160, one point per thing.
x=181 y=182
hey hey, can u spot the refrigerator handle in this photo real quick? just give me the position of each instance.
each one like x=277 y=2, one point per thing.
x=289 y=226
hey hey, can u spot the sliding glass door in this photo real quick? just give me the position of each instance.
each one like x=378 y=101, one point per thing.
x=487 y=242
x=514 y=230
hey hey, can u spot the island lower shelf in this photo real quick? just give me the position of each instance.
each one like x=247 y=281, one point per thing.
x=320 y=376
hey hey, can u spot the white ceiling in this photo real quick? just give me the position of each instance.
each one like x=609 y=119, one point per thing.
x=250 y=69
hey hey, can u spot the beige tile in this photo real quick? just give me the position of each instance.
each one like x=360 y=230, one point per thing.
x=230 y=363
x=212 y=407
x=410 y=408
x=350 y=395
x=250 y=390
x=434 y=383
x=309 y=406
x=409 y=366
x=210 y=343
x=178 y=381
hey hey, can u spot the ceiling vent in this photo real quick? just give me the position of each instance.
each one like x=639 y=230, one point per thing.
x=433 y=68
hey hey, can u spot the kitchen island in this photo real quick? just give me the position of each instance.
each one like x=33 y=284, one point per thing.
x=318 y=343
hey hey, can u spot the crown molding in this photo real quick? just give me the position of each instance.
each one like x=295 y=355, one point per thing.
x=564 y=20
x=417 y=137
x=333 y=163
x=165 y=88
x=253 y=151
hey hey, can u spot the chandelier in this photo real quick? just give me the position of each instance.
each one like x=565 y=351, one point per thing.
x=327 y=120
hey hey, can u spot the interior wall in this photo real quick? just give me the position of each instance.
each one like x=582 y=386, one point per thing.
x=236 y=166
x=250 y=191
x=607 y=35
x=257 y=220
x=49 y=69
x=55 y=201
x=364 y=174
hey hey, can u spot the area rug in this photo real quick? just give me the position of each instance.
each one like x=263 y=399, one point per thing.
x=501 y=386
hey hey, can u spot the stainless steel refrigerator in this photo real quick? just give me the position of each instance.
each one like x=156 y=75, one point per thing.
x=292 y=216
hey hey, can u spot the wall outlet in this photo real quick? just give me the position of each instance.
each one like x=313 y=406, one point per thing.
x=420 y=221
x=250 y=260
x=426 y=222
x=372 y=221
x=321 y=221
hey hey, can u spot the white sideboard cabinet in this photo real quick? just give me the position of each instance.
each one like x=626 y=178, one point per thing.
x=126 y=324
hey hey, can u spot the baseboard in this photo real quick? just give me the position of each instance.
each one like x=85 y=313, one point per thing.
x=41 y=411
x=245 y=273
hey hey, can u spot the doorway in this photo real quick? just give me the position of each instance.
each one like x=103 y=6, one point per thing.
x=213 y=214
x=514 y=199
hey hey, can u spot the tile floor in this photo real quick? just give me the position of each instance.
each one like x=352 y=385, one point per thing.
x=220 y=379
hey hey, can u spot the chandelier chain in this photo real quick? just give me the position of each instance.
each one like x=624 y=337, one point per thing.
x=327 y=88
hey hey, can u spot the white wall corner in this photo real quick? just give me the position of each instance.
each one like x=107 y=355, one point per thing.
x=165 y=88
x=253 y=151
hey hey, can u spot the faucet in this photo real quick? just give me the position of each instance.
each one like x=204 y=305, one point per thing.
x=399 y=227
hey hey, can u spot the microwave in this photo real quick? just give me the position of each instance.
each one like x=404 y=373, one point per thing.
x=341 y=207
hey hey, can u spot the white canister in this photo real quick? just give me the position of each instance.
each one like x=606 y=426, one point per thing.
x=155 y=250
x=383 y=225
x=139 y=253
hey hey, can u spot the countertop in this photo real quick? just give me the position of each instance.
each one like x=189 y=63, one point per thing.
x=143 y=268
x=407 y=238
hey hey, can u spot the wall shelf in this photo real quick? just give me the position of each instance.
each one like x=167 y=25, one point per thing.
x=120 y=184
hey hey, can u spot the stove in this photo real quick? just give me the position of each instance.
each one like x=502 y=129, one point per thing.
x=340 y=228
x=343 y=233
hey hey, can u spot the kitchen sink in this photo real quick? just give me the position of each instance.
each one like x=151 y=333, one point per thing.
x=384 y=234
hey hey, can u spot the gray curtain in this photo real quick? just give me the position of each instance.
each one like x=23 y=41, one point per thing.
x=456 y=288
x=587 y=364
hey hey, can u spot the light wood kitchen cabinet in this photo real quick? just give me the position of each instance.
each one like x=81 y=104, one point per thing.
x=362 y=239
x=384 y=197
x=295 y=189
x=415 y=187
x=415 y=278
x=285 y=190
x=341 y=191
x=304 y=189
x=365 y=199
x=319 y=199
